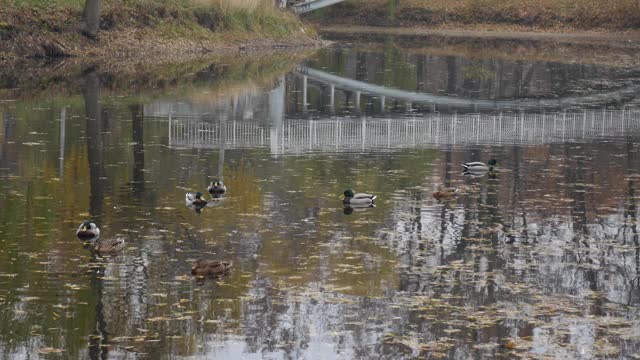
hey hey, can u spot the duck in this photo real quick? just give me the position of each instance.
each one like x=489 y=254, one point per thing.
x=195 y=199
x=351 y=198
x=474 y=174
x=445 y=193
x=88 y=231
x=479 y=166
x=216 y=188
x=203 y=267
x=110 y=246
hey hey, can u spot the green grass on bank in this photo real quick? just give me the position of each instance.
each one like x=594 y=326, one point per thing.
x=584 y=14
x=173 y=17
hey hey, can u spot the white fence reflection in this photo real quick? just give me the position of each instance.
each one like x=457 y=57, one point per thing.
x=356 y=134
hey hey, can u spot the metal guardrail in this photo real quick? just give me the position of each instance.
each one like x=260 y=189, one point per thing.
x=307 y=6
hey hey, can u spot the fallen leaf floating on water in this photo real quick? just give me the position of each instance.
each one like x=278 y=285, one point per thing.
x=158 y=318
x=29 y=298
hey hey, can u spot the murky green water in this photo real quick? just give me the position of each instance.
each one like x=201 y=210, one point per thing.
x=541 y=258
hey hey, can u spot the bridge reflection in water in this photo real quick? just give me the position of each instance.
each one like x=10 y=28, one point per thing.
x=240 y=122
x=447 y=103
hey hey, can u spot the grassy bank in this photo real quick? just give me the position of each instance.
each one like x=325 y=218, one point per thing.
x=147 y=28
x=533 y=14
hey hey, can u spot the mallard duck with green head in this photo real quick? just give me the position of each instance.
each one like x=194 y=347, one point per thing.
x=351 y=198
x=217 y=188
x=203 y=267
x=88 y=231
x=479 y=166
x=195 y=199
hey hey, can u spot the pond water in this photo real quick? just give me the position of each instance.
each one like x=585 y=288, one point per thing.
x=539 y=258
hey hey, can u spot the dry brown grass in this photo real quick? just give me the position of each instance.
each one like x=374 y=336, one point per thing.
x=234 y=4
x=51 y=27
x=249 y=5
x=582 y=14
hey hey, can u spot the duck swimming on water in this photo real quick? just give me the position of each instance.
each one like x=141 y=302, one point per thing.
x=203 y=267
x=445 y=193
x=110 y=246
x=216 y=188
x=479 y=166
x=88 y=231
x=351 y=198
x=195 y=199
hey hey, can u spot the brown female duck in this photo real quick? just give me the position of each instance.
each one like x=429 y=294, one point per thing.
x=445 y=193
x=202 y=267
x=109 y=246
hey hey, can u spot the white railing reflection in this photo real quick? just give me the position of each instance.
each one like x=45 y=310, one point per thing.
x=355 y=134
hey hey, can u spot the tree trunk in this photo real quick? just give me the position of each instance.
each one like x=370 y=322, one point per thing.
x=91 y=18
